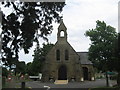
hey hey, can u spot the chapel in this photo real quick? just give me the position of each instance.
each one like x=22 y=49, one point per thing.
x=63 y=63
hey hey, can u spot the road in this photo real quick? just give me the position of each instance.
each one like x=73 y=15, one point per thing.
x=85 y=84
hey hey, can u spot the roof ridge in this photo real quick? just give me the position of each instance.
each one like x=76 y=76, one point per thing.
x=83 y=52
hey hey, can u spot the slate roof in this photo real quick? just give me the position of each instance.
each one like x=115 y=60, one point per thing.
x=84 y=58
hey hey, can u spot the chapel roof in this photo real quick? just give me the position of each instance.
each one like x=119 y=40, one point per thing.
x=62 y=26
x=84 y=58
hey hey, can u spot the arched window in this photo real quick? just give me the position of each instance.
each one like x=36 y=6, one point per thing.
x=66 y=55
x=62 y=34
x=58 y=55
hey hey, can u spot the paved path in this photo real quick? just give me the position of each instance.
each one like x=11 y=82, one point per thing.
x=85 y=84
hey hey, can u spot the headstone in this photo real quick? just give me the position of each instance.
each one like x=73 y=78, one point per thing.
x=40 y=76
x=82 y=79
x=72 y=79
x=22 y=84
x=92 y=78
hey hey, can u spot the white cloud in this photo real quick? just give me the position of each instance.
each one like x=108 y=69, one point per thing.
x=81 y=15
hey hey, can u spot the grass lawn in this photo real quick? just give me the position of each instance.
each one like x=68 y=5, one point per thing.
x=105 y=88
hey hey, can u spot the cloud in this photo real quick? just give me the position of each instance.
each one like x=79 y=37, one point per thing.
x=79 y=16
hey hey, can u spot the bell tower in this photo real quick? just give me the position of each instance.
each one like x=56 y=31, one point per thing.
x=62 y=32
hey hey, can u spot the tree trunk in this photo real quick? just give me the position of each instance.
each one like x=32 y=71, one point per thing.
x=118 y=79
x=107 y=81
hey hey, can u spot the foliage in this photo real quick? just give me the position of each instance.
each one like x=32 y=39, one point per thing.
x=26 y=24
x=39 y=57
x=20 y=67
x=113 y=77
x=116 y=58
x=102 y=45
x=116 y=54
x=29 y=68
x=4 y=72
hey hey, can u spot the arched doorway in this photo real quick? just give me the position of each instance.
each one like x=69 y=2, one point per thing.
x=62 y=73
x=85 y=73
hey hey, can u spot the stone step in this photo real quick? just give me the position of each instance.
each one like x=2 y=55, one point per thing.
x=61 y=82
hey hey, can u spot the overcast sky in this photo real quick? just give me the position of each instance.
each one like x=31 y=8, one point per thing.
x=80 y=16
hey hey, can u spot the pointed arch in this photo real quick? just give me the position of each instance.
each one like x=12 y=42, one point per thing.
x=57 y=54
x=62 y=33
x=85 y=73
x=66 y=55
x=62 y=72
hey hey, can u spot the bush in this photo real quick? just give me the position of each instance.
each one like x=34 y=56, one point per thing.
x=113 y=77
x=4 y=72
x=3 y=81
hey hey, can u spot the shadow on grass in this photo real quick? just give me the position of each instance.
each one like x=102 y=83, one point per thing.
x=106 y=88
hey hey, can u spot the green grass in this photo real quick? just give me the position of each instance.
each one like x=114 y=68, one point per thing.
x=105 y=88
x=6 y=85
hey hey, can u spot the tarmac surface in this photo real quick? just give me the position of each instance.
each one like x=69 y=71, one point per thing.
x=85 y=84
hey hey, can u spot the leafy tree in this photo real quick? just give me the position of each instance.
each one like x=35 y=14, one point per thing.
x=4 y=72
x=116 y=58
x=102 y=46
x=29 y=68
x=20 y=67
x=26 y=24
x=39 y=57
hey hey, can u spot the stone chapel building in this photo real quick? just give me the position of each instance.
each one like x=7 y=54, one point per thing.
x=64 y=63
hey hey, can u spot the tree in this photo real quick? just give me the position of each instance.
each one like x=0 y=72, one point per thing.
x=20 y=67
x=5 y=72
x=39 y=57
x=26 y=24
x=29 y=68
x=102 y=45
x=116 y=58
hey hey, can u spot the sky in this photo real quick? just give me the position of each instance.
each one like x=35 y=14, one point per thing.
x=80 y=16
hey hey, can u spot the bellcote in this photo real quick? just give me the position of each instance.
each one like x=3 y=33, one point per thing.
x=62 y=32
